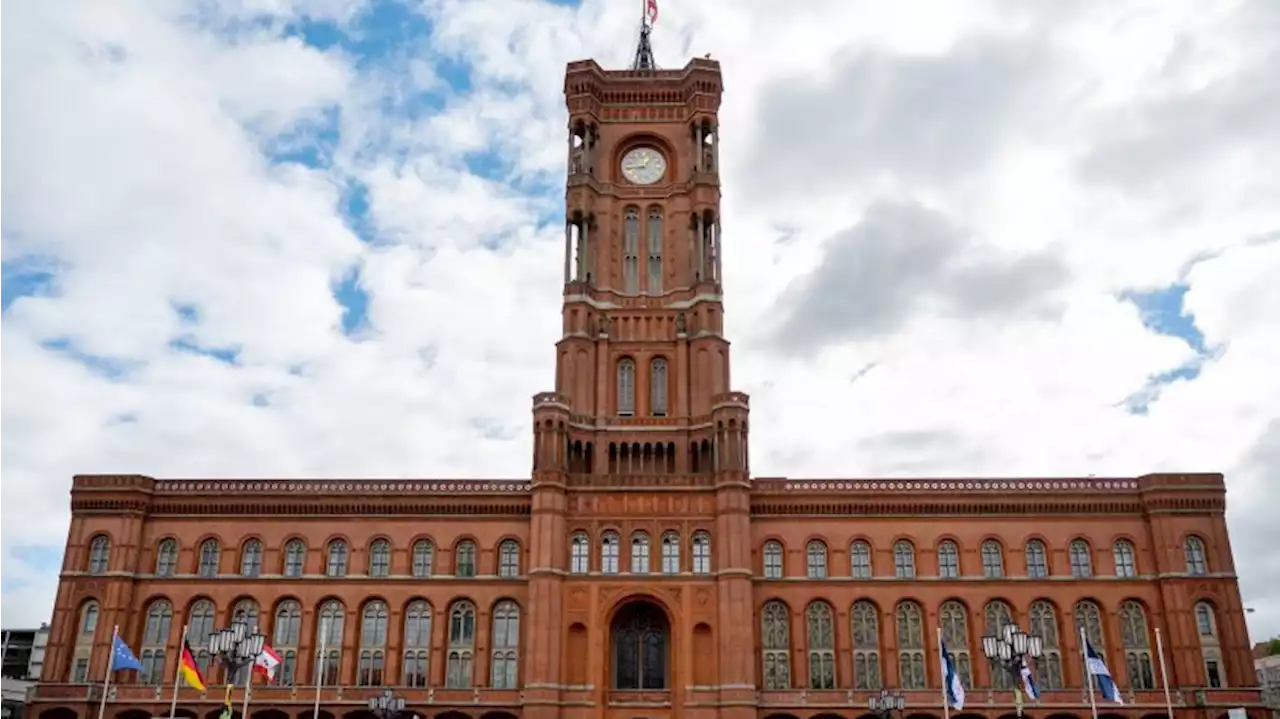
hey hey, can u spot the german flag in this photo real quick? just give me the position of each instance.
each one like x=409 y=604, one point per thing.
x=188 y=669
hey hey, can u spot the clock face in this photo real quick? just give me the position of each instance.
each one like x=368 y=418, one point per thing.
x=644 y=166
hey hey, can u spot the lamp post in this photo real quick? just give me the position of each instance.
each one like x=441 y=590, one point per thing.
x=386 y=706
x=236 y=648
x=886 y=702
x=1007 y=652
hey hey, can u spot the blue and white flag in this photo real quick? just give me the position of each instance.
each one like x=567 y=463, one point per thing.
x=1029 y=683
x=951 y=684
x=1098 y=668
x=123 y=658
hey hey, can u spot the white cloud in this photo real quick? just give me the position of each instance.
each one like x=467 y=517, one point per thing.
x=1130 y=141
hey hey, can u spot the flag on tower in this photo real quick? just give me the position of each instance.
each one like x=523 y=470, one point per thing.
x=266 y=663
x=651 y=11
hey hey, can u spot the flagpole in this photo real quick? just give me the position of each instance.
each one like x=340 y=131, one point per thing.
x=942 y=667
x=106 y=682
x=177 y=674
x=248 y=686
x=324 y=634
x=1088 y=678
x=1164 y=674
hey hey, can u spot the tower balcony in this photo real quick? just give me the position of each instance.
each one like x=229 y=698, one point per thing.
x=731 y=399
x=550 y=399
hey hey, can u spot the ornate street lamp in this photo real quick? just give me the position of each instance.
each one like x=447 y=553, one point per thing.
x=886 y=703
x=1008 y=651
x=236 y=648
x=386 y=706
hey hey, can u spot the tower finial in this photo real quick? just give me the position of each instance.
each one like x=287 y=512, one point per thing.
x=644 y=51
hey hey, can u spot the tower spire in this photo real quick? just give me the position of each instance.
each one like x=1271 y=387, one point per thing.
x=644 y=51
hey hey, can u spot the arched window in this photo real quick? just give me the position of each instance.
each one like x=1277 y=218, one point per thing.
x=580 y=554
x=373 y=644
x=904 y=559
x=200 y=618
x=658 y=387
x=462 y=645
x=1043 y=622
x=155 y=639
x=1123 y=552
x=639 y=553
x=99 y=554
x=860 y=560
x=1037 y=564
x=776 y=639
x=509 y=558
x=815 y=560
x=1137 y=646
x=701 y=553
x=244 y=612
x=329 y=634
x=955 y=632
x=1088 y=616
x=417 y=643
x=285 y=636
x=910 y=645
x=1081 y=560
x=948 y=559
x=772 y=560
x=655 y=251
x=210 y=558
x=820 y=628
x=998 y=615
x=464 y=559
x=1196 y=563
x=609 y=553
x=1210 y=646
x=670 y=553
x=380 y=558
x=167 y=558
x=337 y=565
x=640 y=640
x=992 y=559
x=423 y=558
x=503 y=664
x=86 y=628
x=866 y=646
x=251 y=559
x=630 y=250
x=295 y=558
x=626 y=387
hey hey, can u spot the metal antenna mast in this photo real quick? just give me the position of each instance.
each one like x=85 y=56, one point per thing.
x=644 y=51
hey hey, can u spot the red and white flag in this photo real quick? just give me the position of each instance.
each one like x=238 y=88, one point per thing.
x=266 y=663
x=651 y=11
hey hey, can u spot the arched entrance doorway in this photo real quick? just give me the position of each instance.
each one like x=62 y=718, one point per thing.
x=640 y=647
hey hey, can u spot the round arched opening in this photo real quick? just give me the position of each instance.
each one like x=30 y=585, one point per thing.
x=640 y=647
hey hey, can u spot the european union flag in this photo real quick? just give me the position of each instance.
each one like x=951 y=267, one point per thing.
x=122 y=658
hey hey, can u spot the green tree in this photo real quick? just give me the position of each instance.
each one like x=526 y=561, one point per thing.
x=1273 y=646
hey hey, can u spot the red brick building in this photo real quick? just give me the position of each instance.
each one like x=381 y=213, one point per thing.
x=640 y=571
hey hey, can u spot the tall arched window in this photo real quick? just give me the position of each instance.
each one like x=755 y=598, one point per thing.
x=155 y=639
x=99 y=554
x=904 y=559
x=1210 y=646
x=295 y=558
x=1088 y=616
x=630 y=250
x=1137 y=646
x=200 y=618
x=251 y=559
x=775 y=638
x=815 y=560
x=373 y=644
x=245 y=612
x=167 y=558
x=580 y=554
x=626 y=387
x=462 y=645
x=658 y=387
x=329 y=634
x=998 y=615
x=1123 y=552
x=1037 y=563
x=640 y=638
x=417 y=643
x=992 y=559
x=424 y=553
x=1196 y=563
x=210 y=558
x=772 y=560
x=701 y=553
x=639 y=553
x=464 y=559
x=1081 y=559
x=948 y=559
x=380 y=558
x=609 y=553
x=286 y=634
x=955 y=631
x=337 y=564
x=866 y=646
x=910 y=645
x=503 y=663
x=860 y=560
x=821 y=638
x=655 y=251
x=670 y=553
x=1043 y=622
x=509 y=558
x=86 y=628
